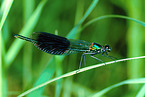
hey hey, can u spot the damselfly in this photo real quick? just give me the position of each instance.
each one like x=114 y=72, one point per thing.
x=57 y=45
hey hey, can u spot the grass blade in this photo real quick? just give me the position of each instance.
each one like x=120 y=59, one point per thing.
x=82 y=70
x=45 y=75
x=5 y=8
x=112 y=16
x=73 y=33
x=26 y=30
x=60 y=58
x=141 y=93
x=1 y=78
x=28 y=8
x=131 y=81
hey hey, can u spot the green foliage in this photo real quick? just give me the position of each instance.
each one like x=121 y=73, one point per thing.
x=22 y=66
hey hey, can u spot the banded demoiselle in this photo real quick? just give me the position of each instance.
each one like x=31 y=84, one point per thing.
x=57 y=45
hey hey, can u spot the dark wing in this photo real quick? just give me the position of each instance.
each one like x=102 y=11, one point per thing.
x=50 y=43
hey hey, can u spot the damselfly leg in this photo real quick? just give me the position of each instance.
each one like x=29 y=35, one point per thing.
x=91 y=54
x=99 y=60
x=110 y=57
x=83 y=56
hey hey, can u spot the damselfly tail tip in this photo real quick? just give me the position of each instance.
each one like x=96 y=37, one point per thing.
x=15 y=35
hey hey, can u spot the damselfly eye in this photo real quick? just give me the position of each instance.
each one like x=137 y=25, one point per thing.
x=107 y=48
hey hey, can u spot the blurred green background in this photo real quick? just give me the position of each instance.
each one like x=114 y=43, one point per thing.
x=24 y=66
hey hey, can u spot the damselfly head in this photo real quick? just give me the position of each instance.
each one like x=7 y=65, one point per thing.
x=107 y=48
